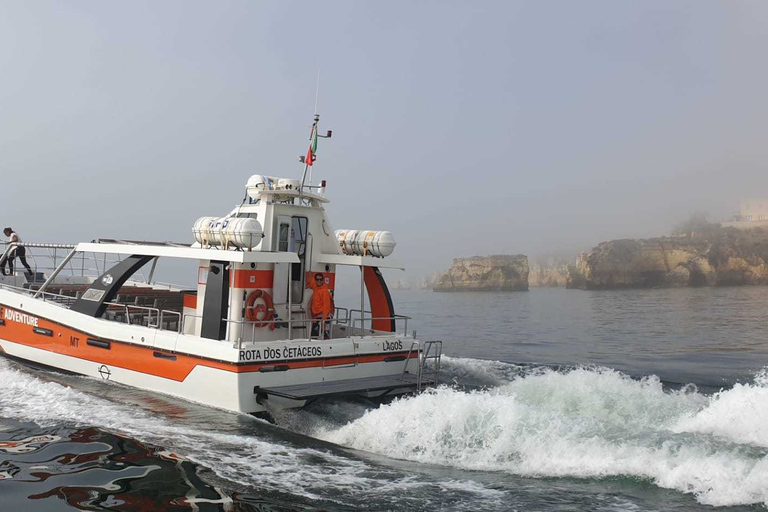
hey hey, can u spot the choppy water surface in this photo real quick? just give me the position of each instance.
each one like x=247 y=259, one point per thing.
x=558 y=400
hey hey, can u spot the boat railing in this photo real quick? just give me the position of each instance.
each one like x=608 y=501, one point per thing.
x=47 y=257
x=247 y=325
x=130 y=314
x=347 y=319
x=57 y=298
x=357 y=317
x=169 y=286
x=342 y=319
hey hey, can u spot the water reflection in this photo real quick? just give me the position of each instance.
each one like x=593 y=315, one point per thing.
x=91 y=469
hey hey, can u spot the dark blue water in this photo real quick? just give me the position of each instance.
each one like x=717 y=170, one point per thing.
x=709 y=336
x=558 y=400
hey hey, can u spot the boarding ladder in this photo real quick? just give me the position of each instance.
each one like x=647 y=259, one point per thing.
x=429 y=365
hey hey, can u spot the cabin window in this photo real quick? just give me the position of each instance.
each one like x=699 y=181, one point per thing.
x=298 y=244
x=292 y=236
x=282 y=240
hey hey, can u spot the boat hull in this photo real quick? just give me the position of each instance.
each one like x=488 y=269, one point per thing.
x=214 y=373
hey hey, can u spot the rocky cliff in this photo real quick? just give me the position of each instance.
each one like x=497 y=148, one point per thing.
x=486 y=273
x=722 y=257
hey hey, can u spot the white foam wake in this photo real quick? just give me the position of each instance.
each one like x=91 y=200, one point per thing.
x=243 y=459
x=481 y=372
x=738 y=414
x=584 y=423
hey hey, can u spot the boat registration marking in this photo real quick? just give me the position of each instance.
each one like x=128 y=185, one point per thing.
x=280 y=354
x=393 y=346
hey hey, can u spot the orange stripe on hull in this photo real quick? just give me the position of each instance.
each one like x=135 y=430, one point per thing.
x=71 y=342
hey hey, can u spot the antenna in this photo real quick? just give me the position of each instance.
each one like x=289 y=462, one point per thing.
x=317 y=118
x=309 y=159
x=311 y=155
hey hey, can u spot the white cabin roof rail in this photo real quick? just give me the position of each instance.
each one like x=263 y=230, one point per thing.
x=358 y=261
x=295 y=193
x=139 y=242
x=191 y=253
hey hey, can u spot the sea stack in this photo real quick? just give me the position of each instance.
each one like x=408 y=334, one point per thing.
x=486 y=273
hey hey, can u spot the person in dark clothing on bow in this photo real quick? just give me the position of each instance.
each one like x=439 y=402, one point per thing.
x=18 y=251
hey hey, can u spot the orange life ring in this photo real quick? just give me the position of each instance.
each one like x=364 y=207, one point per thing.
x=252 y=309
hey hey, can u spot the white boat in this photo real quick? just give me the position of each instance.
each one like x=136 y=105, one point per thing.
x=242 y=339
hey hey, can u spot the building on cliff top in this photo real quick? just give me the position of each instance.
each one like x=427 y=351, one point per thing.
x=753 y=213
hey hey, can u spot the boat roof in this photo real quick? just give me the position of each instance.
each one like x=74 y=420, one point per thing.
x=295 y=193
x=358 y=261
x=174 y=250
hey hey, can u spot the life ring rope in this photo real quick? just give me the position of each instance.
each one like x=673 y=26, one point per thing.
x=252 y=310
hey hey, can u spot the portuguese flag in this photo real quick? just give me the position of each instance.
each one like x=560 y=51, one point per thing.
x=312 y=151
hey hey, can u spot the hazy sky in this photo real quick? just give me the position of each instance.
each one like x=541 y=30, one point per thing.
x=462 y=127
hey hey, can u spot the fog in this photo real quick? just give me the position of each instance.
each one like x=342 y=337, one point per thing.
x=462 y=127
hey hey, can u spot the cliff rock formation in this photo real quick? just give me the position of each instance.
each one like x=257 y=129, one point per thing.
x=722 y=257
x=486 y=273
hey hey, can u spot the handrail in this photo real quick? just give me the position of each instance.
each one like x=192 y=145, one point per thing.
x=362 y=319
x=331 y=321
x=171 y=286
x=372 y=319
x=43 y=245
x=67 y=300
x=414 y=343
x=29 y=291
x=53 y=258
x=159 y=312
x=378 y=318
x=346 y=316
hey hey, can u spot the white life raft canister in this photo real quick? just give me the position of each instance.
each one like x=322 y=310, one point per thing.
x=366 y=243
x=240 y=232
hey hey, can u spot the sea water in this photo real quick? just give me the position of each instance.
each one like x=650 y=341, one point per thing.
x=553 y=400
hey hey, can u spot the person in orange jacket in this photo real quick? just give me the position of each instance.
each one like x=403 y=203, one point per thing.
x=321 y=305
